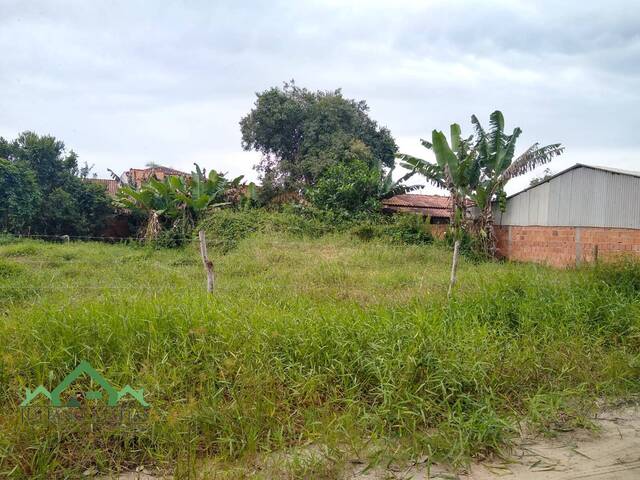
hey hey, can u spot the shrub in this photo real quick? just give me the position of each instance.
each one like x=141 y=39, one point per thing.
x=226 y=228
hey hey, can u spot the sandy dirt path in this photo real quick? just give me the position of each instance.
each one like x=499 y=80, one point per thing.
x=611 y=453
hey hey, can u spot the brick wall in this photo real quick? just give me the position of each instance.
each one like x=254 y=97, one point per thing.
x=565 y=246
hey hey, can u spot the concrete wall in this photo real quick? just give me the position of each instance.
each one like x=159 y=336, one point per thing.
x=565 y=246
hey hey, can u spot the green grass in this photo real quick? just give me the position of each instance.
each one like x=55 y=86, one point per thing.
x=347 y=346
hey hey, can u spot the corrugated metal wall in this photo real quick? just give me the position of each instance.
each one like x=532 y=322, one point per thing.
x=582 y=197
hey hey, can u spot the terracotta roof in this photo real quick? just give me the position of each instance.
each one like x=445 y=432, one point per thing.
x=421 y=201
x=110 y=184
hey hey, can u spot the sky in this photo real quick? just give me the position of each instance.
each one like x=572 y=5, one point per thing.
x=124 y=83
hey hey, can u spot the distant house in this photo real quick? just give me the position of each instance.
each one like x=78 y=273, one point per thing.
x=580 y=214
x=435 y=207
x=109 y=184
x=137 y=176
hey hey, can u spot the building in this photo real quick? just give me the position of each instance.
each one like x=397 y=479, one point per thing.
x=109 y=184
x=137 y=176
x=580 y=214
x=435 y=207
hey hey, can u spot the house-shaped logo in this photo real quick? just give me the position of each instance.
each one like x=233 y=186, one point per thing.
x=107 y=392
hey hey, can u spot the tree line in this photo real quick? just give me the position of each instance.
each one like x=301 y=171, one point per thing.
x=319 y=149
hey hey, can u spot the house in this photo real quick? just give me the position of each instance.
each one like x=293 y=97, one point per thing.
x=579 y=214
x=435 y=207
x=109 y=184
x=137 y=176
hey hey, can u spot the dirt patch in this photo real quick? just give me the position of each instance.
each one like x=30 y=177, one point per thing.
x=610 y=453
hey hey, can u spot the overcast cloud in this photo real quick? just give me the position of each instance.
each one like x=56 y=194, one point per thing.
x=124 y=83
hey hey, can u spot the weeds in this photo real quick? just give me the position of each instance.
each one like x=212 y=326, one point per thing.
x=308 y=341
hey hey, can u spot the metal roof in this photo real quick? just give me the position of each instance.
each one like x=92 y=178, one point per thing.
x=580 y=165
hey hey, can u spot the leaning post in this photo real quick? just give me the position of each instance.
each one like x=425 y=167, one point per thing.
x=208 y=264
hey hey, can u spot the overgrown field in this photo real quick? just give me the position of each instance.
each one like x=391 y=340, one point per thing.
x=346 y=346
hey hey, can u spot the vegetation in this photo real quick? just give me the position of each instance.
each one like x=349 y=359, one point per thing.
x=43 y=190
x=478 y=168
x=547 y=173
x=227 y=228
x=302 y=133
x=352 y=187
x=347 y=346
x=177 y=203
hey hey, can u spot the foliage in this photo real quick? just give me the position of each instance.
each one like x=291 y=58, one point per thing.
x=301 y=133
x=20 y=196
x=353 y=186
x=176 y=203
x=456 y=169
x=496 y=155
x=47 y=183
x=307 y=341
x=226 y=228
x=546 y=175
x=399 y=229
x=477 y=169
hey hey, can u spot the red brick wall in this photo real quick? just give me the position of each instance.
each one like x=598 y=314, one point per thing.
x=565 y=246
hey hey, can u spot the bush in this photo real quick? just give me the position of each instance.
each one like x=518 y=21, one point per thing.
x=226 y=228
x=407 y=229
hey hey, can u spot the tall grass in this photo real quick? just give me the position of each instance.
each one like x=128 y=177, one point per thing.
x=351 y=346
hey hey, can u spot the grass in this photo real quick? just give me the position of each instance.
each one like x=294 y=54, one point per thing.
x=349 y=348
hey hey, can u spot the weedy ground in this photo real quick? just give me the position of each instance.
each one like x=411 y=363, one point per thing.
x=344 y=347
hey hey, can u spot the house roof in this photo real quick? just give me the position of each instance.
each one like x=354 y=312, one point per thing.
x=432 y=205
x=616 y=171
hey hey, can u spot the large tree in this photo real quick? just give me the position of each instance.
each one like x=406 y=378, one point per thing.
x=301 y=134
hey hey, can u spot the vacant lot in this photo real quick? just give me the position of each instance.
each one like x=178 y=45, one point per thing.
x=329 y=345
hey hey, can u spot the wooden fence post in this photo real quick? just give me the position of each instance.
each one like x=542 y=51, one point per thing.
x=208 y=264
x=454 y=267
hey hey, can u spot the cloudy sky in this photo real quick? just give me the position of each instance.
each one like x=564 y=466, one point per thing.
x=124 y=83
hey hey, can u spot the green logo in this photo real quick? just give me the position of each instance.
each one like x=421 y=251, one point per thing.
x=112 y=395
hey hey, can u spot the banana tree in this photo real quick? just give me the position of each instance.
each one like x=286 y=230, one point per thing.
x=457 y=170
x=388 y=187
x=177 y=202
x=496 y=158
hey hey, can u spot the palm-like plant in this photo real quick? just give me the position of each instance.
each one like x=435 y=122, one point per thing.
x=176 y=201
x=496 y=157
x=457 y=169
x=388 y=187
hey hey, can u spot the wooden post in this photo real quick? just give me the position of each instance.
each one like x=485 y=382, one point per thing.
x=454 y=266
x=208 y=264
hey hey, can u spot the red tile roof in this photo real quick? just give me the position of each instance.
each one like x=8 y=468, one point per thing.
x=422 y=201
x=438 y=206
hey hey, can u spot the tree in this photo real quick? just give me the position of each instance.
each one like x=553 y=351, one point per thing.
x=496 y=155
x=301 y=134
x=546 y=175
x=20 y=197
x=66 y=204
x=457 y=169
x=356 y=183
